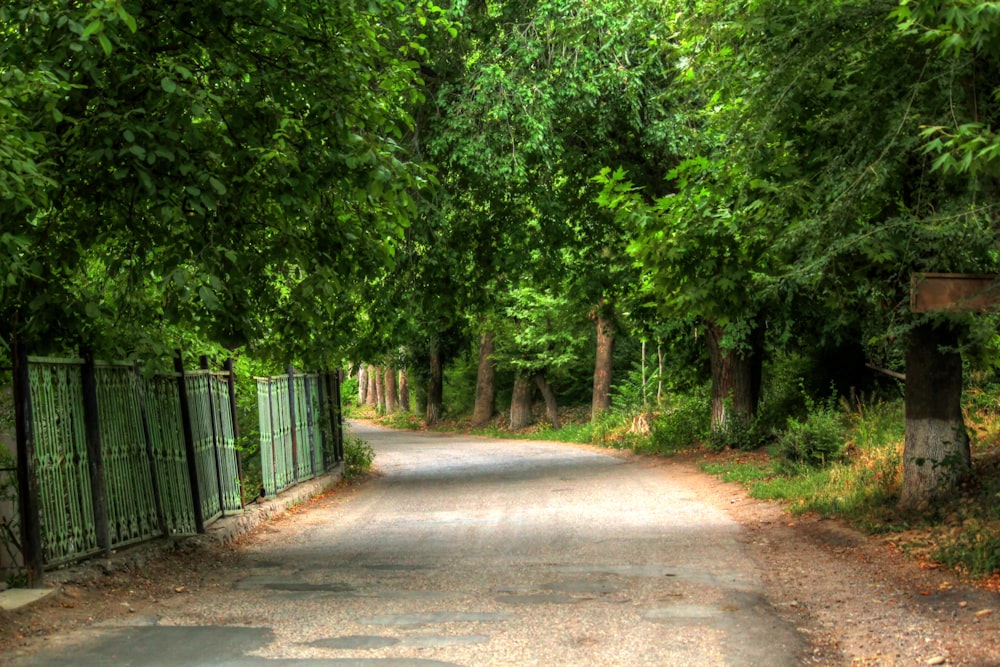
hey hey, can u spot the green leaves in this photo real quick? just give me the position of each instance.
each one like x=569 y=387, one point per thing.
x=217 y=149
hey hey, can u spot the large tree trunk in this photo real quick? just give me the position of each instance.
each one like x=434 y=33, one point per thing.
x=736 y=378
x=404 y=390
x=391 y=390
x=435 y=385
x=936 y=454
x=551 y=408
x=362 y=384
x=486 y=391
x=372 y=394
x=603 y=362
x=520 y=403
x=379 y=389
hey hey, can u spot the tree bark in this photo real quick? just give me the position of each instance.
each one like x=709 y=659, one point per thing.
x=404 y=390
x=486 y=391
x=551 y=407
x=371 y=399
x=936 y=453
x=435 y=385
x=520 y=403
x=391 y=390
x=603 y=362
x=379 y=389
x=736 y=378
x=362 y=384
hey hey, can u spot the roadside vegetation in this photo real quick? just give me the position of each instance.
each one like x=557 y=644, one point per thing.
x=648 y=225
x=836 y=456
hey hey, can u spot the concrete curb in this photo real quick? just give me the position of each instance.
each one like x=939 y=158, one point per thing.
x=222 y=531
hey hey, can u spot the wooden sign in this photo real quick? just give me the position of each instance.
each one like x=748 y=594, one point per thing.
x=954 y=292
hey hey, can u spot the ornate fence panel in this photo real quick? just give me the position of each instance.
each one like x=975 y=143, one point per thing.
x=294 y=412
x=314 y=398
x=62 y=467
x=303 y=429
x=214 y=443
x=108 y=457
x=203 y=428
x=166 y=432
x=276 y=452
x=225 y=444
x=128 y=482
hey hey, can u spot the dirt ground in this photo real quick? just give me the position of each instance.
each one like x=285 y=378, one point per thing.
x=859 y=600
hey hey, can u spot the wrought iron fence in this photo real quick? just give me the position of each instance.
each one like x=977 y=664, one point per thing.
x=108 y=457
x=301 y=432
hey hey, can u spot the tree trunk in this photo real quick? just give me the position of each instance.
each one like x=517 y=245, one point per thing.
x=520 y=403
x=362 y=384
x=551 y=408
x=420 y=398
x=371 y=400
x=486 y=391
x=736 y=378
x=936 y=454
x=404 y=390
x=391 y=390
x=435 y=385
x=379 y=389
x=603 y=362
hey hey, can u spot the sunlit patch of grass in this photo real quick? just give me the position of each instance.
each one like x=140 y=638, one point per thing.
x=857 y=488
x=405 y=421
x=743 y=472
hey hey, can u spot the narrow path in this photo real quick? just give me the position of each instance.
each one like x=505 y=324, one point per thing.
x=469 y=551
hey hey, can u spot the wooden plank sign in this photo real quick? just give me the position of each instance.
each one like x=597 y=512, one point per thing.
x=954 y=292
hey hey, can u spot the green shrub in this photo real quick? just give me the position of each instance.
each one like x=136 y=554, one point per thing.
x=404 y=421
x=685 y=423
x=349 y=390
x=737 y=432
x=358 y=457
x=814 y=442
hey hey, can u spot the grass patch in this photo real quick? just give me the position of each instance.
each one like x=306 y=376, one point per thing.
x=736 y=471
x=404 y=421
x=572 y=432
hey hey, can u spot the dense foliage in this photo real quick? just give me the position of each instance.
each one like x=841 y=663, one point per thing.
x=721 y=190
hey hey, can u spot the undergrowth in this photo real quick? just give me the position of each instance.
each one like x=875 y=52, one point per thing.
x=834 y=458
x=358 y=457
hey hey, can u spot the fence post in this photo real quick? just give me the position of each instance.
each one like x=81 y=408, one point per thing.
x=274 y=455
x=337 y=379
x=95 y=453
x=231 y=381
x=328 y=440
x=192 y=462
x=294 y=430
x=332 y=381
x=27 y=482
x=147 y=434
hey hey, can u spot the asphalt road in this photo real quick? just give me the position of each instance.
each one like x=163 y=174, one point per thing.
x=470 y=551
